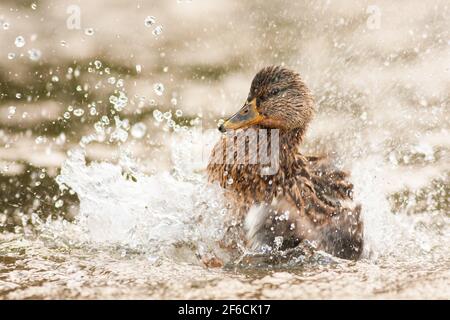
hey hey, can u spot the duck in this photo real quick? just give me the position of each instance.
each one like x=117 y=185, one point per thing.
x=288 y=198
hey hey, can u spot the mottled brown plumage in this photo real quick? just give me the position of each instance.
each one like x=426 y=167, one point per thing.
x=307 y=197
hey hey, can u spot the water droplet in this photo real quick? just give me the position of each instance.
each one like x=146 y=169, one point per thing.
x=63 y=43
x=39 y=140
x=55 y=79
x=11 y=55
x=120 y=102
x=105 y=120
x=165 y=69
x=171 y=123
x=178 y=113
x=174 y=101
x=138 y=130
x=34 y=54
x=11 y=112
x=18 y=95
x=78 y=112
x=138 y=68
x=66 y=115
x=119 y=135
x=158 y=30
x=111 y=80
x=5 y=26
x=113 y=99
x=278 y=241
x=89 y=31
x=158 y=115
x=119 y=83
x=59 y=203
x=98 y=126
x=61 y=139
x=159 y=88
x=149 y=21
x=19 y=42
x=167 y=115
x=141 y=103
x=97 y=64
x=33 y=6
x=230 y=181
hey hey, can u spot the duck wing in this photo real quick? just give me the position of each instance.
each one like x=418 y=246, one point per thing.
x=316 y=205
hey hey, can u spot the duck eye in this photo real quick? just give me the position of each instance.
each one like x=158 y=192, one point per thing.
x=245 y=111
x=274 y=92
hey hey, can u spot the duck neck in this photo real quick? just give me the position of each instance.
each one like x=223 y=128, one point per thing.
x=291 y=138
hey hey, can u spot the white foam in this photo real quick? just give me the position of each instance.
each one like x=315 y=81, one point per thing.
x=154 y=212
x=385 y=233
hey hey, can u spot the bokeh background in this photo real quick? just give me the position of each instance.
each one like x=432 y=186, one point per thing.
x=379 y=71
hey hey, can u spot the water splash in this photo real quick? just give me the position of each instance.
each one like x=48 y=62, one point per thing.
x=390 y=235
x=177 y=213
x=160 y=213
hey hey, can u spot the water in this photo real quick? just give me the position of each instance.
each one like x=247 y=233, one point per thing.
x=114 y=202
x=159 y=88
x=149 y=21
x=89 y=31
x=19 y=42
x=34 y=54
x=132 y=240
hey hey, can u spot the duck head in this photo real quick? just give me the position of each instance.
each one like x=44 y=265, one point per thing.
x=278 y=99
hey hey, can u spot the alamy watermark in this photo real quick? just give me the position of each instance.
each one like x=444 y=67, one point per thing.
x=248 y=147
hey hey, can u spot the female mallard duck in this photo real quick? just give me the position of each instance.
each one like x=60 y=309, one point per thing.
x=304 y=198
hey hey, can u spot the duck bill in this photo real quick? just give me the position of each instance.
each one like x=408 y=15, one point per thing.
x=246 y=117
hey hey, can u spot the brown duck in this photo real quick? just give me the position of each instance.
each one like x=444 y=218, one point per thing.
x=304 y=197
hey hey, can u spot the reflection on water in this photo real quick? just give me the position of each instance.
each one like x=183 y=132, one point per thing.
x=102 y=195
